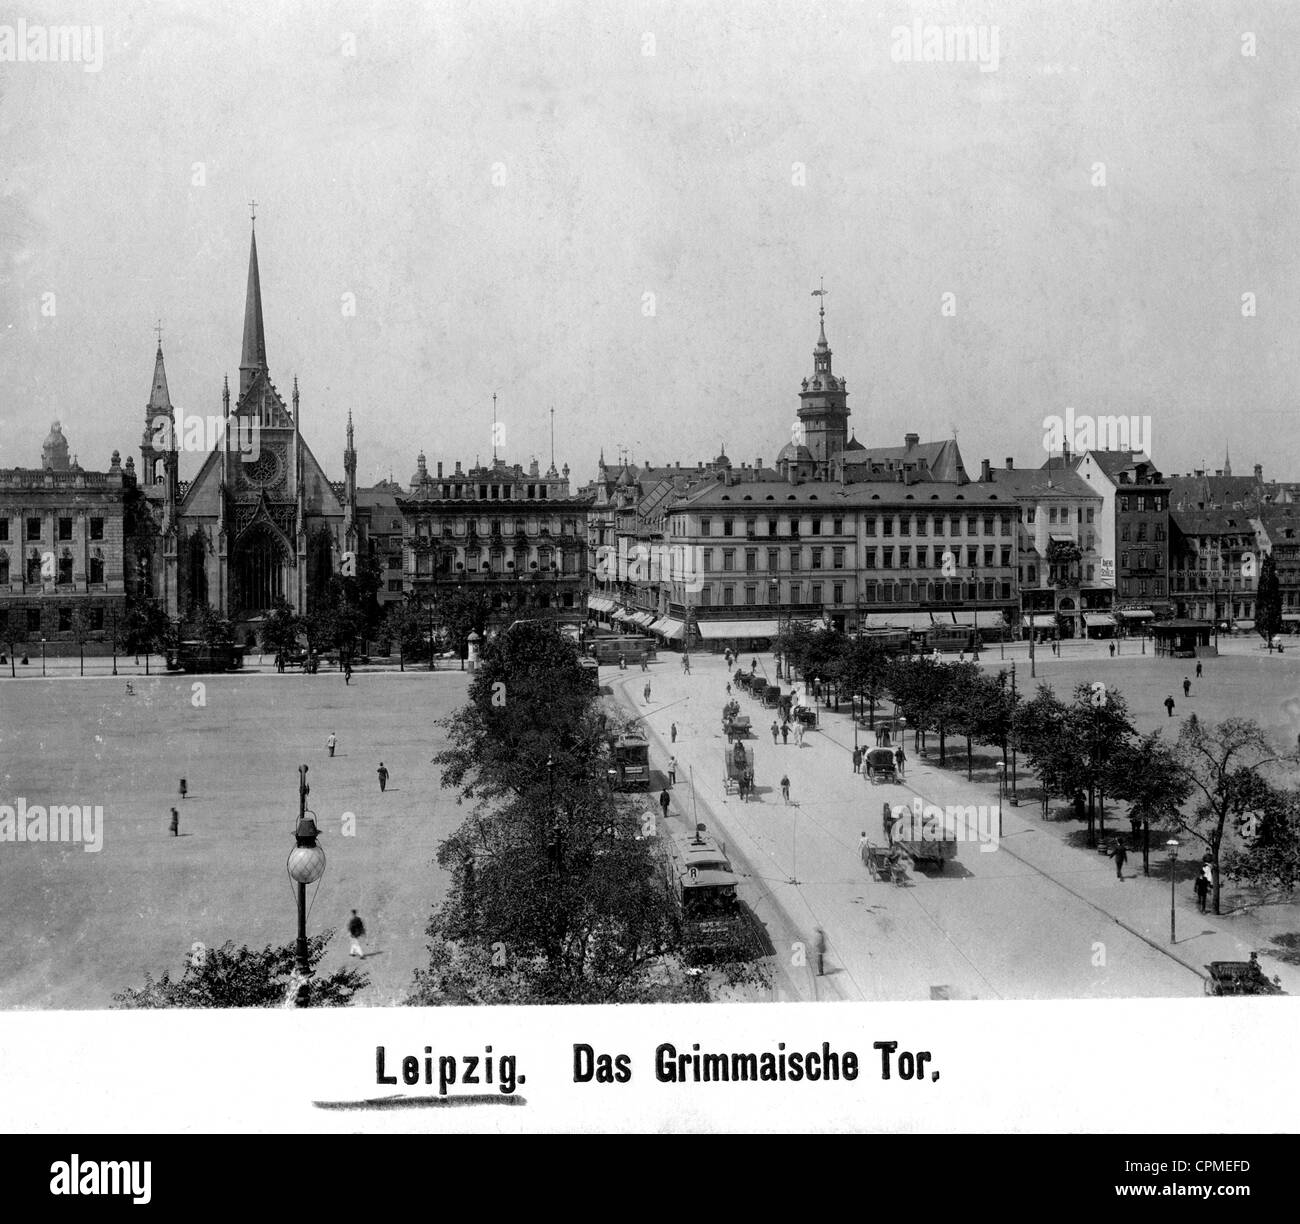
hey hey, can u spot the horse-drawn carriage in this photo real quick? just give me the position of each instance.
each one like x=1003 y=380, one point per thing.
x=880 y=765
x=738 y=766
x=735 y=725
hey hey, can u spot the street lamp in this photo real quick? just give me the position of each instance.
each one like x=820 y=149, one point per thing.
x=305 y=865
x=1172 y=845
x=1002 y=787
x=1015 y=802
x=42 y=656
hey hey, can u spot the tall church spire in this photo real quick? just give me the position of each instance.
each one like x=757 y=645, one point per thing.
x=159 y=438
x=253 y=358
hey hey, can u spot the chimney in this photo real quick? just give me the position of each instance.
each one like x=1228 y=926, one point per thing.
x=439 y=471
x=1010 y=464
x=1218 y=472
x=985 y=474
x=911 y=440
x=758 y=463
x=1259 y=471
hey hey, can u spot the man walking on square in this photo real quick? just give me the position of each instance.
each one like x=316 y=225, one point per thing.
x=331 y=742
x=1169 y=705
x=175 y=825
x=664 y=802
x=357 y=930
x=1120 y=855
x=1187 y=687
x=647 y=692
x=1198 y=669
x=382 y=771
x=785 y=788
x=672 y=771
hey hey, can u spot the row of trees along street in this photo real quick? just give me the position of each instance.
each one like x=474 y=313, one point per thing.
x=1223 y=786
x=558 y=891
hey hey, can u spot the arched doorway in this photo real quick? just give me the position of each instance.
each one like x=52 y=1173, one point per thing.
x=258 y=571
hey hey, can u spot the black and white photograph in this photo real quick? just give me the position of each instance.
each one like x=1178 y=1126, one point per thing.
x=718 y=521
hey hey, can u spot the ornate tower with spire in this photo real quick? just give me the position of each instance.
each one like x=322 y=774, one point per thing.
x=260 y=523
x=159 y=442
x=823 y=404
x=350 y=490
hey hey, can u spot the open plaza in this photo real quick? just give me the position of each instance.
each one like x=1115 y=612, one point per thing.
x=1041 y=917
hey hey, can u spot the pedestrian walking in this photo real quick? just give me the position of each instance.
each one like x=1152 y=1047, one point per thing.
x=357 y=932
x=1202 y=890
x=175 y=825
x=775 y=732
x=753 y=666
x=672 y=771
x=1120 y=855
x=185 y=788
x=1198 y=669
x=1112 y=650
x=821 y=952
x=331 y=742
x=785 y=733
x=674 y=732
x=1187 y=687
x=1080 y=805
x=857 y=760
x=900 y=759
x=798 y=735
x=863 y=847
x=347 y=672
x=644 y=667
x=664 y=802
x=1169 y=705
x=887 y=823
x=728 y=688
x=382 y=771
x=647 y=692
x=785 y=788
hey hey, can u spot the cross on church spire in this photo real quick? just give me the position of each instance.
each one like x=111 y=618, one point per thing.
x=158 y=329
x=252 y=210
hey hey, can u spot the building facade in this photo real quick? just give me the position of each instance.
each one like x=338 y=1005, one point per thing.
x=516 y=536
x=67 y=556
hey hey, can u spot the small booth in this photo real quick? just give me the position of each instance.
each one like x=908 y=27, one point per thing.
x=1183 y=639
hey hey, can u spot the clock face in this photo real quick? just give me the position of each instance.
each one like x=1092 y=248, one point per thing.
x=264 y=469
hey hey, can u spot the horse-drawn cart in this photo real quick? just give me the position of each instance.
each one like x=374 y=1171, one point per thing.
x=738 y=767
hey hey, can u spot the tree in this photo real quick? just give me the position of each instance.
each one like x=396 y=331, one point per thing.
x=280 y=629
x=1269 y=856
x=1149 y=777
x=1098 y=729
x=554 y=881
x=147 y=626
x=1039 y=730
x=1268 y=601
x=13 y=633
x=464 y=611
x=861 y=670
x=402 y=624
x=212 y=629
x=1222 y=767
x=80 y=631
x=241 y=977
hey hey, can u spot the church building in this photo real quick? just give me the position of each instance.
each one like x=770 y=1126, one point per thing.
x=260 y=521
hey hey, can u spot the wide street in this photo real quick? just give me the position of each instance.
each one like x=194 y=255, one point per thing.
x=1035 y=918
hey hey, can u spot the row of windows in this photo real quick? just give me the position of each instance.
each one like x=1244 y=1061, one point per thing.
x=1140 y=532
x=1139 y=586
x=34 y=528
x=458 y=526
x=1060 y=515
x=751 y=526
x=1141 y=502
x=31 y=619
x=905 y=525
x=63 y=573
x=1140 y=560
x=1029 y=574
x=941 y=557
x=872 y=592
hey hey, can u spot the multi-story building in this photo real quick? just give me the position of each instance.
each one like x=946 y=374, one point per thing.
x=381 y=529
x=67 y=560
x=876 y=554
x=1133 y=529
x=1214 y=566
x=1277 y=532
x=517 y=536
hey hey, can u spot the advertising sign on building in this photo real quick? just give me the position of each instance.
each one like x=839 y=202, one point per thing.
x=1108 y=570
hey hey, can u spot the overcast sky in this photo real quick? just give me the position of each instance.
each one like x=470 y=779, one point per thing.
x=499 y=187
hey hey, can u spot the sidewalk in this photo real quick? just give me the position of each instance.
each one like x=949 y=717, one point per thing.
x=1036 y=918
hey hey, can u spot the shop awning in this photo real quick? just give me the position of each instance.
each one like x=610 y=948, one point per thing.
x=1040 y=621
x=598 y=603
x=1096 y=620
x=1291 y=616
x=1245 y=623
x=898 y=620
x=714 y=630
x=1135 y=613
x=643 y=619
x=670 y=628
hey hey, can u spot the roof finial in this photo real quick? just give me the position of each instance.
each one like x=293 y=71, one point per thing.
x=494 y=428
x=821 y=312
x=552 y=437
x=252 y=211
x=158 y=329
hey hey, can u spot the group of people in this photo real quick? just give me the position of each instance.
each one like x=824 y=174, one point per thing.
x=783 y=730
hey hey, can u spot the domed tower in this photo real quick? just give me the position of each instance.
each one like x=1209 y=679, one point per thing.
x=54 y=452
x=420 y=477
x=823 y=405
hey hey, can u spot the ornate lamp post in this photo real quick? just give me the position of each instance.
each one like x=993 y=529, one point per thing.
x=1002 y=790
x=305 y=865
x=1172 y=846
x=42 y=654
